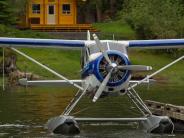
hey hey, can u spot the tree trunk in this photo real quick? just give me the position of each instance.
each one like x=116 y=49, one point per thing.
x=112 y=4
x=98 y=12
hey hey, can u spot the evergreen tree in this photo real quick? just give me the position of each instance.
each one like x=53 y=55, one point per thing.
x=6 y=13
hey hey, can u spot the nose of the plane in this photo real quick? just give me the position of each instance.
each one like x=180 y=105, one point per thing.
x=118 y=76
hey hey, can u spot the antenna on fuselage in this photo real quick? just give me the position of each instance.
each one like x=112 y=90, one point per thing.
x=88 y=35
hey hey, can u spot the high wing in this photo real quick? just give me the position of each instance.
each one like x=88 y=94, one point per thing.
x=157 y=44
x=30 y=42
x=59 y=43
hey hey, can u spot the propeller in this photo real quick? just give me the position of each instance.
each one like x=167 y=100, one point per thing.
x=113 y=67
x=135 y=67
x=102 y=86
x=105 y=81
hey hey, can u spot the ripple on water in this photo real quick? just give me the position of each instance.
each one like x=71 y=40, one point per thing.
x=12 y=125
x=3 y=134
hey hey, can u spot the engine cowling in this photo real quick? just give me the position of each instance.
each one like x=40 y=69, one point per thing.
x=118 y=76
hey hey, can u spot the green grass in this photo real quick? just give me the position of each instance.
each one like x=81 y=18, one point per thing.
x=66 y=62
x=174 y=74
x=119 y=28
x=9 y=31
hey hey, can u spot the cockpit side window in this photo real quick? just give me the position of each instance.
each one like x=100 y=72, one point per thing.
x=84 y=56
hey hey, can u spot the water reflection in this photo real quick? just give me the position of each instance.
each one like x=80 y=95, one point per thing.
x=23 y=112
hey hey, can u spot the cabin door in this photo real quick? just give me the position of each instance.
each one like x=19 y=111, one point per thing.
x=51 y=14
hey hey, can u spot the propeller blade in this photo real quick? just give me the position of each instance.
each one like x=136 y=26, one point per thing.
x=102 y=87
x=98 y=43
x=135 y=67
x=88 y=35
x=100 y=46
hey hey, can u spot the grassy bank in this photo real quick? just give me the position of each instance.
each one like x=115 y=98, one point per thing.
x=174 y=74
x=9 y=31
x=63 y=61
x=119 y=28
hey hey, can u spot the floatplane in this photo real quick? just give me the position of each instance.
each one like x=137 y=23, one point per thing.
x=106 y=69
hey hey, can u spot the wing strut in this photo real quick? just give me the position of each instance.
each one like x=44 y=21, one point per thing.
x=3 y=70
x=74 y=102
x=48 y=69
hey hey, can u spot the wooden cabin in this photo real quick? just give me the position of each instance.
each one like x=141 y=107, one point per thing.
x=53 y=15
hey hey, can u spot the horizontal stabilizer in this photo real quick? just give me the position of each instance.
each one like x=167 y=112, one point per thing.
x=60 y=83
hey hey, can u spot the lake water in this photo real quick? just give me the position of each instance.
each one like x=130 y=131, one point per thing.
x=25 y=111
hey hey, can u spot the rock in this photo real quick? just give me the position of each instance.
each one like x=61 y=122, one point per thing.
x=16 y=75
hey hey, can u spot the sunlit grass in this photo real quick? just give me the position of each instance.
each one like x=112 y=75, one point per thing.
x=120 y=28
x=66 y=62
x=174 y=74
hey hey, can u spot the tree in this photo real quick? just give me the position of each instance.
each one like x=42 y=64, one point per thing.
x=6 y=13
x=155 y=19
x=100 y=9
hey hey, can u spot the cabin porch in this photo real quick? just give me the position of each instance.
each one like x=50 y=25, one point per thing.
x=63 y=28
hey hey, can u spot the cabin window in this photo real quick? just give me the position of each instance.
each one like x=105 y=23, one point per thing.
x=66 y=9
x=36 y=8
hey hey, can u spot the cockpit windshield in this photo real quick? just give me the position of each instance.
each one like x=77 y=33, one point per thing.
x=94 y=49
x=106 y=46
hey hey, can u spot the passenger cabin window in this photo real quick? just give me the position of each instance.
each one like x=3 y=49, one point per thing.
x=66 y=9
x=36 y=8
